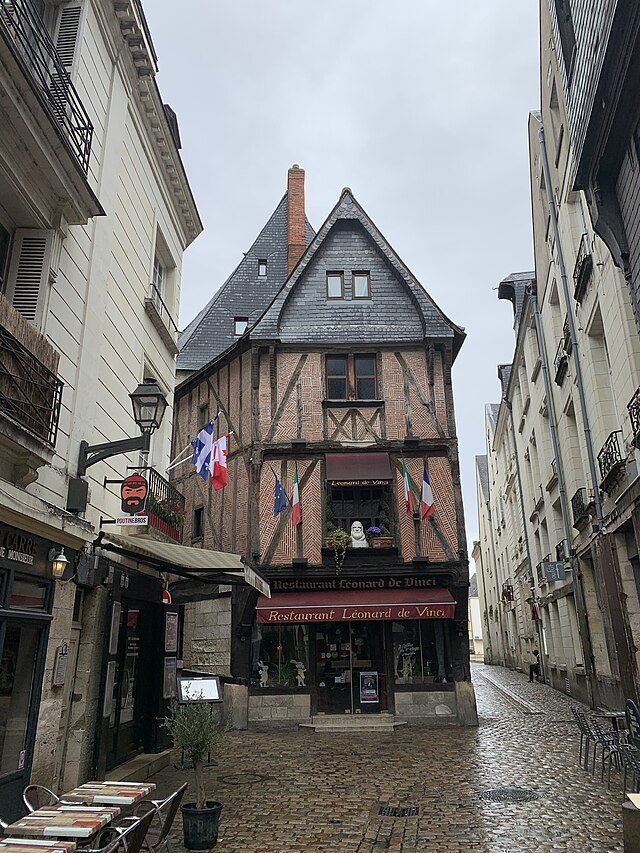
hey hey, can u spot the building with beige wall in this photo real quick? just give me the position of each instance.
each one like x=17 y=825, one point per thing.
x=569 y=413
x=95 y=214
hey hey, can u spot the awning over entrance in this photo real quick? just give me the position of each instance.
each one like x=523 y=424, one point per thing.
x=214 y=566
x=355 y=606
x=352 y=468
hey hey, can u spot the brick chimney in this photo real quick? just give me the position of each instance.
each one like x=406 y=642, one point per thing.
x=297 y=232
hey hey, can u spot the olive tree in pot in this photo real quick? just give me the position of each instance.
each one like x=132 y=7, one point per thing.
x=197 y=733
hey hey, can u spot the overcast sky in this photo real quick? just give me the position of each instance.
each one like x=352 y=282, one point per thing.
x=420 y=107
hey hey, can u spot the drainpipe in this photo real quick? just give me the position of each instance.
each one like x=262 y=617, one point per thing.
x=572 y=330
x=564 y=509
x=524 y=528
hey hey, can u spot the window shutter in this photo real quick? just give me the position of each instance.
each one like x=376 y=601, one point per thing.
x=29 y=272
x=67 y=34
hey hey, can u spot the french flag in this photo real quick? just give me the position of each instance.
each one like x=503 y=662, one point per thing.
x=426 y=495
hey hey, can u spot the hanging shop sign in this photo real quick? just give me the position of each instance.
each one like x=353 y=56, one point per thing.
x=133 y=492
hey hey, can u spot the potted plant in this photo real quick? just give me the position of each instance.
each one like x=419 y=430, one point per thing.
x=339 y=540
x=197 y=733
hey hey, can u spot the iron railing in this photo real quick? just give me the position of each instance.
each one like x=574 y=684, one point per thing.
x=579 y=505
x=161 y=307
x=560 y=551
x=633 y=407
x=560 y=363
x=165 y=505
x=583 y=268
x=24 y=31
x=30 y=393
x=610 y=456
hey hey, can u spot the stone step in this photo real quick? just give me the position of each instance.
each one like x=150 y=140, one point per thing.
x=353 y=723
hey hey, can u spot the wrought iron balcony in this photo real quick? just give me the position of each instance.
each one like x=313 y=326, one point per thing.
x=24 y=31
x=29 y=392
x=633 y=407
x=160 y=316
x=560 y=551
x=580 y=504
x=165 y=505
x=561 y=363
x=583 y=268
x=610 y=461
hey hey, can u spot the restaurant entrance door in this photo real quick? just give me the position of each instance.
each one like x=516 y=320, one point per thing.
x=350 y=668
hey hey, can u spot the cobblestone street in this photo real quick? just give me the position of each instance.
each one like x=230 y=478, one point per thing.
x=295 y=790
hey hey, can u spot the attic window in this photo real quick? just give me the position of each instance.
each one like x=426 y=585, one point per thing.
x=361 y=285
x=240 y=325
x=262 y=267
x=335 y=285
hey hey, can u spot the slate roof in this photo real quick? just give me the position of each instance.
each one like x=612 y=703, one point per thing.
x=296 y=316
x=492 y=410
x=514 y=288
x=482 y=464
x=244 y=294
x=504 y=374
x=473 y=586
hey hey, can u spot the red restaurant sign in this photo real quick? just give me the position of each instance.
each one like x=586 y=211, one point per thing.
x=360 y=606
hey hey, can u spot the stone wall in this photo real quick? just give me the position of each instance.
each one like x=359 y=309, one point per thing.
x=207 y=635
x=279 y=710
x=431 y=707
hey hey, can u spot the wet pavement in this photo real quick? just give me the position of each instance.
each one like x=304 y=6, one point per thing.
x=294 y=790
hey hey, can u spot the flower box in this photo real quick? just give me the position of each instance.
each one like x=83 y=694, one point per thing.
x=382 y=542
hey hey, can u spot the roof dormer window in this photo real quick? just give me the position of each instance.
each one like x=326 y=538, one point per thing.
x=240 y=325
x=262 y=267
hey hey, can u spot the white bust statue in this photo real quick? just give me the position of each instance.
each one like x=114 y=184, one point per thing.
x=358 y=539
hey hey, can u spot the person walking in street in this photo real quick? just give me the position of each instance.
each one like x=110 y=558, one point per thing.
x=534 y=668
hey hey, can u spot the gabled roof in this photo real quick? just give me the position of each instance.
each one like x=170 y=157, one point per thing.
x=435 y=324
x=244 y=294
x=504 y=375
x=491 y=411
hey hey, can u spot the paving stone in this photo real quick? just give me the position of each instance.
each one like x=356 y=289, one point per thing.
x=316 y=792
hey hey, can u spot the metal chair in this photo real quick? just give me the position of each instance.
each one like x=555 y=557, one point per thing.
x=166 y=810
x=610 y=746
x=37 y=796
x=129 y=838
x=632 y=716
x=586 y=735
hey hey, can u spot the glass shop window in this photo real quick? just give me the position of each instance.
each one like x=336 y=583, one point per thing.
x=18 y=659
x=357 y=503
x=280 y=656
x=415 y=653
x=28 y=594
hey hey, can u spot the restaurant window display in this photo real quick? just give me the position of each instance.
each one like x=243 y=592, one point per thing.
x=419 y=653
x=280 y=656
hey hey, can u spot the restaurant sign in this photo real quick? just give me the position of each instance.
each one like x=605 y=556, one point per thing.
x=354 y=613
x=355 y=606
x=320 y=584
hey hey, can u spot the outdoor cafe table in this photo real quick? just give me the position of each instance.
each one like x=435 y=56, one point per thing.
x=63 y=821
x=616 y=717
x=20 y=845
x=110 y=793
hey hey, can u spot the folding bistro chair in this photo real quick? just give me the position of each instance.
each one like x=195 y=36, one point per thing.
x=166 y=810
x=587 y=735
x=632 y=715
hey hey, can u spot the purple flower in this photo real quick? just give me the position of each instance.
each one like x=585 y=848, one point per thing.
x=374 y=531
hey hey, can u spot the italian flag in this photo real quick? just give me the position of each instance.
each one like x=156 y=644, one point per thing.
x=296 y=509
x=408 y=502
x=426 y=495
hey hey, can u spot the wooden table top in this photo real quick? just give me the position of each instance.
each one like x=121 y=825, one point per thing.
x=20 y=845
x=63 y=821
x=110 y=793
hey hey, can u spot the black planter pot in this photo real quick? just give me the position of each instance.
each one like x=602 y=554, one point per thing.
x=201 y=825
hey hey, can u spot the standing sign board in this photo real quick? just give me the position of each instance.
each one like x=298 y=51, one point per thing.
x=205 y=689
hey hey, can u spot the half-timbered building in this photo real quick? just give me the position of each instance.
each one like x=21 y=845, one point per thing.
x=344 y=379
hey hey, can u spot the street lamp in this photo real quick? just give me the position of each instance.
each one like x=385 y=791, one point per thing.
x=149 y=404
